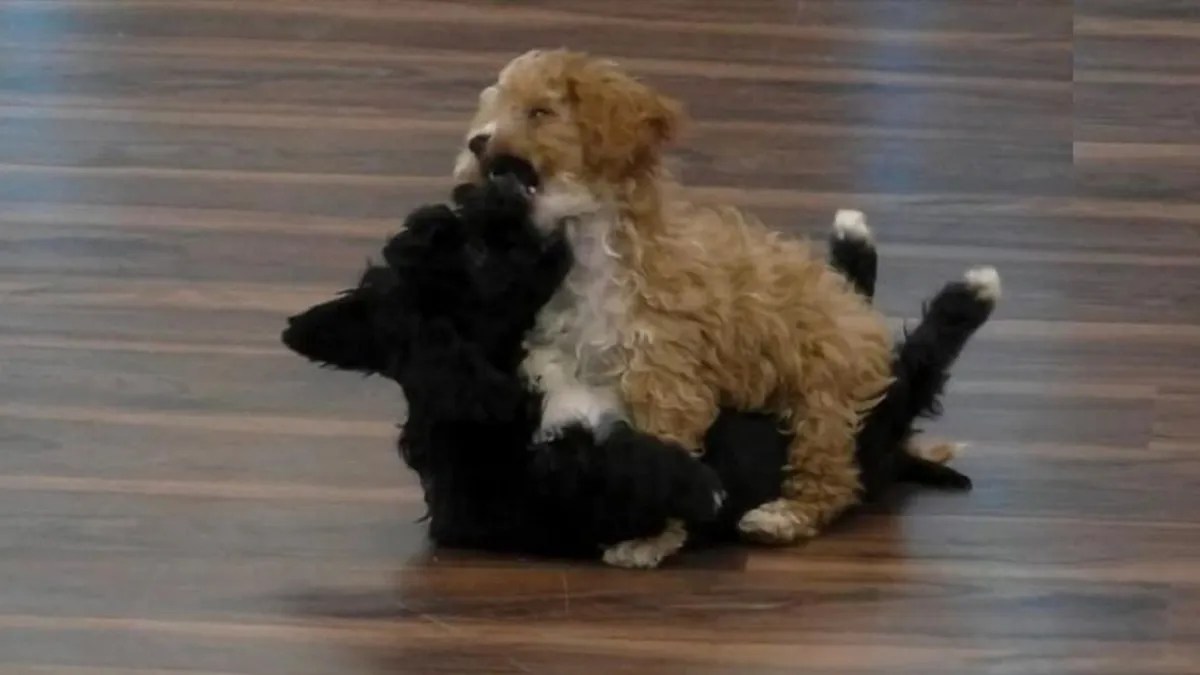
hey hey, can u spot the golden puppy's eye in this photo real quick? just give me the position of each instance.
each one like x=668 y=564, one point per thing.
x=540 y=112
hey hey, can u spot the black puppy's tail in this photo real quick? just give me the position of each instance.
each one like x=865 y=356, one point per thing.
x=921 y=368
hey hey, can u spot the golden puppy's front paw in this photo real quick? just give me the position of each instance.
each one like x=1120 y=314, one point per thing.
x=775 y=523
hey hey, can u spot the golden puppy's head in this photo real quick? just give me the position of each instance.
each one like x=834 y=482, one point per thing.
x=570 y=115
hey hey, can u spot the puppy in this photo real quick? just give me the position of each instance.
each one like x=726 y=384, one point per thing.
x=673 y=310
x=444 y=317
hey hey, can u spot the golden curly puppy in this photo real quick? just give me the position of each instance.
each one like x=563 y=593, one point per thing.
x=674 y=309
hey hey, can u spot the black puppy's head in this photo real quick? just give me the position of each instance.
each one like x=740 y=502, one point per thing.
x=478 y=262
x=366 y=328
x=350 y=332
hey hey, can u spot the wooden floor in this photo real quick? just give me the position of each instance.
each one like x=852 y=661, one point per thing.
x=179 y=494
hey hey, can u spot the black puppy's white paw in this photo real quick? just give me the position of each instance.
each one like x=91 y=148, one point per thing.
x=852 y=250
x=851 y=225
x=984 y=281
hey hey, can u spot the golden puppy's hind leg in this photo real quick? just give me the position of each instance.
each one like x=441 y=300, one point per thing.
x=822 y=482
x=668 y=398
x=838 y=372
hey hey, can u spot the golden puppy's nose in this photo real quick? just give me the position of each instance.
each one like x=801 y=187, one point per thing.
x=478 y=144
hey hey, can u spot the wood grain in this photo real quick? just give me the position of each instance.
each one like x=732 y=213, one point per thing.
x=180 y=494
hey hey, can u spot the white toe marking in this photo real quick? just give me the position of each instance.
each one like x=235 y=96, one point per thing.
x=985 y=281
x=851 y=224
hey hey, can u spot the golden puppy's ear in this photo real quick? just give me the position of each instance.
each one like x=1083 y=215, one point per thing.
x=625 y=124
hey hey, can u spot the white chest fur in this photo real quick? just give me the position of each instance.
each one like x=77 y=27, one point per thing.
x=573 y=349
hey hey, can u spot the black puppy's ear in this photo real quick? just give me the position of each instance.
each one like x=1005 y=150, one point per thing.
x=339 y=333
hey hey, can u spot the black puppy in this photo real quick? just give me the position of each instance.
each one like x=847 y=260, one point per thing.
x=444 y=317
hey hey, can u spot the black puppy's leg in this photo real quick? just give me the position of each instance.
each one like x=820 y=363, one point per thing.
x=949 y=320
x=852 y=251
x=922 y=368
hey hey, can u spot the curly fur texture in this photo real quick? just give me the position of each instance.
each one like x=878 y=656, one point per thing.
x=445 y=315
x=718 y=309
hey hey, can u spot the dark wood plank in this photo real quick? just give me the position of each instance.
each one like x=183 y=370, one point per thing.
x=749 y=155
x=983 y=50
x=52 y=446
x=1143 y=52
x=437 y=83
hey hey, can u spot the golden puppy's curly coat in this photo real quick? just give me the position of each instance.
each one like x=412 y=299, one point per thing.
x=673 y=308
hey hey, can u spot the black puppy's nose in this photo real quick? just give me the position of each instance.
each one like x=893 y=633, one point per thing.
x=478 y=144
